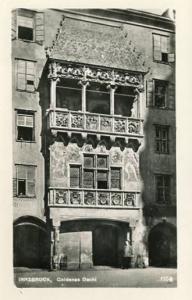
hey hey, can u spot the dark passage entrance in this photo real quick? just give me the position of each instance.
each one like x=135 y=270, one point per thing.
x=162 y=246
x=105 y=246
x=31 y=247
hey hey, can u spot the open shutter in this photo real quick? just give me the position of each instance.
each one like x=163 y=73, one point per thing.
x=171 y=96
x=14 y=187
x=39 y=27
x=157 y=47
x=31 y=188
x=171 y=57
x=149 y=100
x=14 y=25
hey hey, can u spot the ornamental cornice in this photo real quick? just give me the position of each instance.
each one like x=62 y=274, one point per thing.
x=87 y=74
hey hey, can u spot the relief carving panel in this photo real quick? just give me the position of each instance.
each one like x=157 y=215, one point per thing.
x=62 y=119
x=103 y=198
x=116 y=199
x=90 y=198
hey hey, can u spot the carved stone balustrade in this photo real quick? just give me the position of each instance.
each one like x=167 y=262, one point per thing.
x=59 y=197
x=74 y=121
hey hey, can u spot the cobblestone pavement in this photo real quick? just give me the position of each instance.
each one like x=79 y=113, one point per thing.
x=97 y=277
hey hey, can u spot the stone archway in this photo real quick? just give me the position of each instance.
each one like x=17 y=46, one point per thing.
x=163 y=245
x=89 y=242
x=30 y=243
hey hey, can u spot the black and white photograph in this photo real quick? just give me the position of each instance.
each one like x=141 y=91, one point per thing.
x=94 y=147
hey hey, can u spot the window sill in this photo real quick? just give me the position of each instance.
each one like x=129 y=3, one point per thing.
x=31 y=92
x=25 y=196
x=23 y=141
x=25 y=40
x=161 y=108
x=162 y=62
x=164 y=153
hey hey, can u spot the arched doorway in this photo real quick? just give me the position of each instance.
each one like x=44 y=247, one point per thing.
x=105 y=246
x=30 y=243
x=163 y=246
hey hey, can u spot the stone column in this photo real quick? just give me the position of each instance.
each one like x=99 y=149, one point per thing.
x=56 y=247
x=130 y=236
x=112 y=98
x=140 y=108
x=53 y=93
x=55 y=244
x=84 y=85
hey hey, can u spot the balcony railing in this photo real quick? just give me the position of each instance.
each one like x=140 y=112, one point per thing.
x=91 y=122
x=93 y=198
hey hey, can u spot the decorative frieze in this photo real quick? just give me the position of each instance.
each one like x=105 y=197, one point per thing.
x=86 y=74
x=94 y=122
x=93 y=198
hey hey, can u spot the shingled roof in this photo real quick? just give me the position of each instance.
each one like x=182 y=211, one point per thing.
x=96 y=44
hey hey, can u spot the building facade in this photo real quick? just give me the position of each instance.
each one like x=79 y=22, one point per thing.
x=93 y=138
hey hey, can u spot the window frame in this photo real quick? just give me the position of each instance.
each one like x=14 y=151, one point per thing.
x=166 y=84
x=120 y=178
x=26 y=180
x=161 y=140
x=26 y=14
x=166 y=189
x=79 y=166
x=25 y=113
x=25 y=75
x=168 y=46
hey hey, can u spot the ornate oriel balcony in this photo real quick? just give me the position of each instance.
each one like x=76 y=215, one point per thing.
x=95 y=100
x=62 y=197
x=91 y=122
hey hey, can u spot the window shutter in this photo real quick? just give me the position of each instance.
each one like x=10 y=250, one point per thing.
x=21 y=172
x=157 y=47
x=31 y=173
x=31 y=188
x=171 y=57
x=171 y=96
x=21 y=81
x=14 y=187
x=30 y=67
x=25 y=21
x=149 y=93
x=25 y=120
x=164 y=44
x=14 y=25
x=39 y=27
